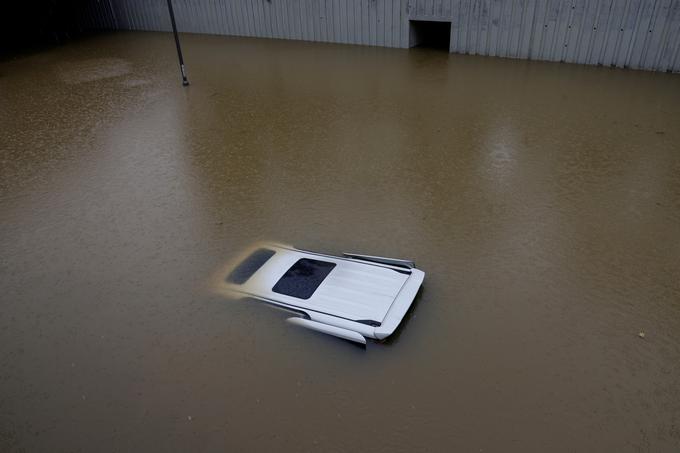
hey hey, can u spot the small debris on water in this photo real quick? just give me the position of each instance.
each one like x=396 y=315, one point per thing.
x=641 y=334
x=189 y=417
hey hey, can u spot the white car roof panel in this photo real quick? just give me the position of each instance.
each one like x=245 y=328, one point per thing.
x=352 y=290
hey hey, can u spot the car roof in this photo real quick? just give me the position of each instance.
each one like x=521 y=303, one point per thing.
x=350 y=288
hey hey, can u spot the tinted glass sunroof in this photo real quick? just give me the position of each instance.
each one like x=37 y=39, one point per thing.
x=249 y=266
x=303 y=278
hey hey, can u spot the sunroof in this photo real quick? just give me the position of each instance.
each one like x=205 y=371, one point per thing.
x=249 y=266
x=303 y=278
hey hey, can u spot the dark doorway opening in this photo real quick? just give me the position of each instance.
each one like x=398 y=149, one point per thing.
x=432 y=34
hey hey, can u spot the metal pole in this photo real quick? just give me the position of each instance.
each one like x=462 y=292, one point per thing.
x=185 y=82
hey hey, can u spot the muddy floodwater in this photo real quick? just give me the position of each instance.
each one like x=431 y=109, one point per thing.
x=542 y=200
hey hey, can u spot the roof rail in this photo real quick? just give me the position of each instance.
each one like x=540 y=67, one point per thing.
x=379 y=259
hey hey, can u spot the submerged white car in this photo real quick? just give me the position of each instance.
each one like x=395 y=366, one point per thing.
x=351 y=297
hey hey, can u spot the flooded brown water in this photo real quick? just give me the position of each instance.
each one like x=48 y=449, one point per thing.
x=542 y=200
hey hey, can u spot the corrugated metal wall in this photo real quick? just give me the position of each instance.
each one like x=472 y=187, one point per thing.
x=641 y=34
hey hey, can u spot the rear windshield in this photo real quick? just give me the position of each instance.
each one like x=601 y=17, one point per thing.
x=249 y=266
x=302 y=279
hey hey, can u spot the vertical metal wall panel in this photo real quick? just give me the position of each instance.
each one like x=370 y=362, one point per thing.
x=573 y=30
x=656 y=45
x=536 y=28
x=640 y=34
x=617 y=35
x=505 y=28
x=508 y=27
x=527 y=29
x=597 y=35
x=473 y=27
x=561 y=41
x=484 y=28
x=674 y=41
x=580 y=30
x=652 y=35
x=494 y=27
x=404 y=28
x=337 y=17
x=625 y=30
x=669 y=41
